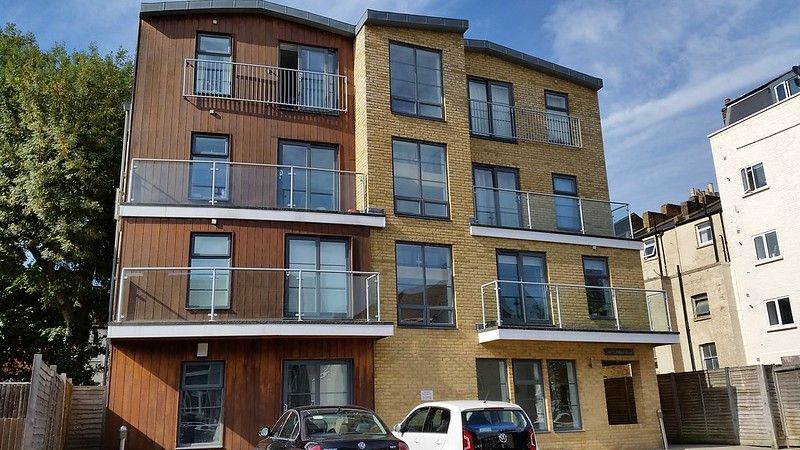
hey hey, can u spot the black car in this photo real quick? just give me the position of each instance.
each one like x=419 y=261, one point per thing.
x=329 y=427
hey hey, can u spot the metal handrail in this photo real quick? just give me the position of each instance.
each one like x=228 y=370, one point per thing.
x=495 y=284
x=239 y=163
x=125 y=274
x=528 y=124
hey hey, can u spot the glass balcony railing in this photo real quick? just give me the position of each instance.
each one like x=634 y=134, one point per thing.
x=504 y=121
x=199 y=294
x=291 y=88
x=570 y=306
x=510 y=208
x=244 y=185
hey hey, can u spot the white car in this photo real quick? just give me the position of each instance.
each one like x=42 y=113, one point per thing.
x=467 y=425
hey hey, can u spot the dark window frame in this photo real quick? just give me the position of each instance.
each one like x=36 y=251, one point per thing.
x=560 y=194
x=557 y=111
x=552 y=386
x=494 y=169
x=231 y=56
x=349 y=362
x=221 y=387
x=518 y=254
x=192 y=235
x=592 y=288
x=537 y=363
x=421 y=199
x=318 y=239
x=424 y=307
x=697 y=298
x=298 y=45
x=488 y=82
x=337 y=188
x=226 y=160
x=780 y=313
x=507 y=386
x=416 y=93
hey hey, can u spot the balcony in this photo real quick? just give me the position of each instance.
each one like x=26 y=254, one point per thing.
x=506 y=122
x=508 y=213
x=158 y=302
x=303 y=90
x=517 y=310
x=221 y=189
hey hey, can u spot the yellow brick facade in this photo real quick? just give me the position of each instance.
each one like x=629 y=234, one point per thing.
x=443 y=360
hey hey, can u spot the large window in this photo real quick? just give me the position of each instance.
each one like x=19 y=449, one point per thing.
x=595 y=273
x=705 y=236
x=779 y=312
x=321 y=264
x=529 y=390
x=564 y=403
x=566 y=203
x=767 y=248
x=753 y=178
x=710 y=358
x=492 y=379
x=523 y=296
x=316 y=382
x=420 y=179
x=416 y=81
x=209 y=171
x=308 y=77
x=307 y=178
x=210 y=280
x=497 y=197
x=201 y=400
x=214 y=71
x=559 y=129
x=424 y=285
x=701 y=306
x=490 y=111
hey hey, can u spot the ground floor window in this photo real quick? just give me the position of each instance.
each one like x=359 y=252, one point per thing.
x=710 y=358
x=317 y=382
x=620 y=399
x=529 y=390
x=564 y=403
x=201 y=399
x=492 y=379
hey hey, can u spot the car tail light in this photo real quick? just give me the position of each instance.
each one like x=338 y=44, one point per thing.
x=402 y=446
x=468 y=443
x=531 y=440
x=313 y=447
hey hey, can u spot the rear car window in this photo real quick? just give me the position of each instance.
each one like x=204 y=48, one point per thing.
x=341 y=422
x=491 y=420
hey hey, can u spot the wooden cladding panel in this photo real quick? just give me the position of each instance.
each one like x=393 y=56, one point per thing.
x=145 y=385
x=163 y=120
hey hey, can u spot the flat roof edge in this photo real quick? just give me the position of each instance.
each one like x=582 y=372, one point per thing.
x=515 y=56
x=247 y=6
x=393 y=19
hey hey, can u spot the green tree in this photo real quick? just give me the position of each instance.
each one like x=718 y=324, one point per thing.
x=61 y=127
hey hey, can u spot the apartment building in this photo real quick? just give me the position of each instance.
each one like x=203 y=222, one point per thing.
x=755 y=158
x=685 y=253
x=315 y=212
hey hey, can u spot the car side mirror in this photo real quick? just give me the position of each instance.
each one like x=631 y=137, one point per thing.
x=398 y=428
x=264 y=432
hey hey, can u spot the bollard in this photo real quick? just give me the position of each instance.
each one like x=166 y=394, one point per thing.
x=123 y=434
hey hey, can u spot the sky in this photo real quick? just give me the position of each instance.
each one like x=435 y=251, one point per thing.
x=666 y=65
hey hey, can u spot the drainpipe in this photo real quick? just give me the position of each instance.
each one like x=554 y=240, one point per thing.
x=725 y=251
x=686 y=318
x=713 y=234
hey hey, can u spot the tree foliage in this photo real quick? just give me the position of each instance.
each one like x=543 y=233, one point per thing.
x=61 y=127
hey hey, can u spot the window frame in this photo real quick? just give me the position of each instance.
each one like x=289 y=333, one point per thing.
x=696 y=299
x=192 y=256
x=210 y=158
x=349 y=363
x=698 y=233
x=569 y=195
x=421 y=199
x=537 y=364
x=424 y=307
x=645 y=246
x=506 y=393
x=221 y=387
x=318 y=240
x=610 y=301
x=337 y=188
x=767 y=258
x=712 y=358
x=748 y=173
x=488 y=82
x=284 y=46
x=416 y=100
x=571 y=363
x=231 y=59
x=555 y=111
x=495 y=192
x=519 y=256
x=781 y=324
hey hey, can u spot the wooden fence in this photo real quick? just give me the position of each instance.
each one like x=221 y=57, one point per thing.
x=751 y=405
x=50 y=413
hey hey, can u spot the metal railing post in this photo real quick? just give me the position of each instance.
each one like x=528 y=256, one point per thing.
x=666 y=311
x=558 y=307
x=291 y=187
x=378 y=300
x=213 y=292
x=630 y=222
x=580 y=211
x=299 y=295
x=522 y=295
x=363 y=183
x=497 y=300
x=528 y=203
x=123 y=277
x=213 y=181
x=123 y=435
x=483 y=307
x=614 y=304
x=366 y=296
x=130 y=181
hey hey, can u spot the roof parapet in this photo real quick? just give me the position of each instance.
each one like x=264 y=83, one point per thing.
x=393 y=19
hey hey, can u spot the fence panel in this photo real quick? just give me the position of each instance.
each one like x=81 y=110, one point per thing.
x=13 y=404
x=85 y=425
x=788 y=394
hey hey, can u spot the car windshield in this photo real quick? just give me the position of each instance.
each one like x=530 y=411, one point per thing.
x=328 y=423
x=492 y=420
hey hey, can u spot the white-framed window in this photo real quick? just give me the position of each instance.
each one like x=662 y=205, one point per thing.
x=753 y=178
x=701 y=306
x=786 y=89
x=710 y=358
x=704 y=234
x=649 y=251
x=766 y=245
x=779 y=312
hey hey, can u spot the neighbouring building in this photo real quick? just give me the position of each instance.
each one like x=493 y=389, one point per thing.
x=685 y=253
x=756 y=161
x=315 y=212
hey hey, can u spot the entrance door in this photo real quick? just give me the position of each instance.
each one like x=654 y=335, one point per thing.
x=317 y=87
x=523 y=297
x=321 y=278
